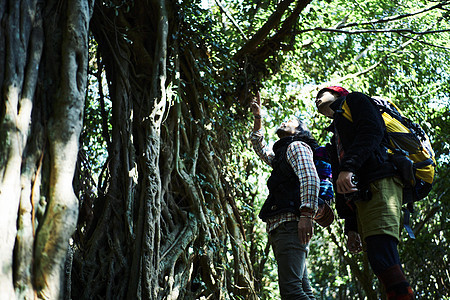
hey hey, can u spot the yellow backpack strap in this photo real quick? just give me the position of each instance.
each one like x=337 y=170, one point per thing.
x=346 y=111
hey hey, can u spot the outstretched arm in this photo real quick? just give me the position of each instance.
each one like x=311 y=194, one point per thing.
x=257 y=138
x=256 y=110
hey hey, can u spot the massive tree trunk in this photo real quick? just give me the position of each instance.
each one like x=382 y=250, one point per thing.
x=165 y=224
x=159 y=231
x=44 y=55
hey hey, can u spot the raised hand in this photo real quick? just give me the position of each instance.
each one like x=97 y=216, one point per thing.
x=255 y=105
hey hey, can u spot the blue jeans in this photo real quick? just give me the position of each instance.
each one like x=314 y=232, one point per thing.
x=290 y=255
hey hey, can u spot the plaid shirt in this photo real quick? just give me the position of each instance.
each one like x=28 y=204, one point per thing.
x=300 y=157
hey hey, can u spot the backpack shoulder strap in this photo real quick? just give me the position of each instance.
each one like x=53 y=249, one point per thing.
x=385 y=106
x=345 y=110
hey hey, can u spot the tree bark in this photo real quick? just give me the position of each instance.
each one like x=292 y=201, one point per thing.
x=45 y=55
x=17 y=96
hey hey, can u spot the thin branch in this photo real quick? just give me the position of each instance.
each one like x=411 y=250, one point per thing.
x=367 y=70
x=230 y=17
x=374 y=31
x=425 y=43
x=395 y=18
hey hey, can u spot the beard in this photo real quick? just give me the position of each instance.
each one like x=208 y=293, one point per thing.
x=282 y=132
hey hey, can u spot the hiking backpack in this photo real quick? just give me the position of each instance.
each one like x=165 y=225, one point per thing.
x=409 y=148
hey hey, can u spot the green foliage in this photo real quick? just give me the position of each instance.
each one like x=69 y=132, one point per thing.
x=94 y=144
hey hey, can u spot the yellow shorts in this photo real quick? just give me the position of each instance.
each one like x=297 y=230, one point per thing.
x=383 y=212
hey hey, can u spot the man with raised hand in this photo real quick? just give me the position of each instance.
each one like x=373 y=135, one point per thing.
x=292 y=202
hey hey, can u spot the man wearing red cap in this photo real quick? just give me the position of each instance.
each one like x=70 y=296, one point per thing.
x=368 y=191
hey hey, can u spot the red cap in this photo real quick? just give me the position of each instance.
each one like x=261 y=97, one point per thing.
x=337 y=89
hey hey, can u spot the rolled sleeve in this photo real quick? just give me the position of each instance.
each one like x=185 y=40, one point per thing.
x=300 y=157
x=261 y=148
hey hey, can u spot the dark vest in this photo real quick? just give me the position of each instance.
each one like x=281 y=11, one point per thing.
x=283 y=184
